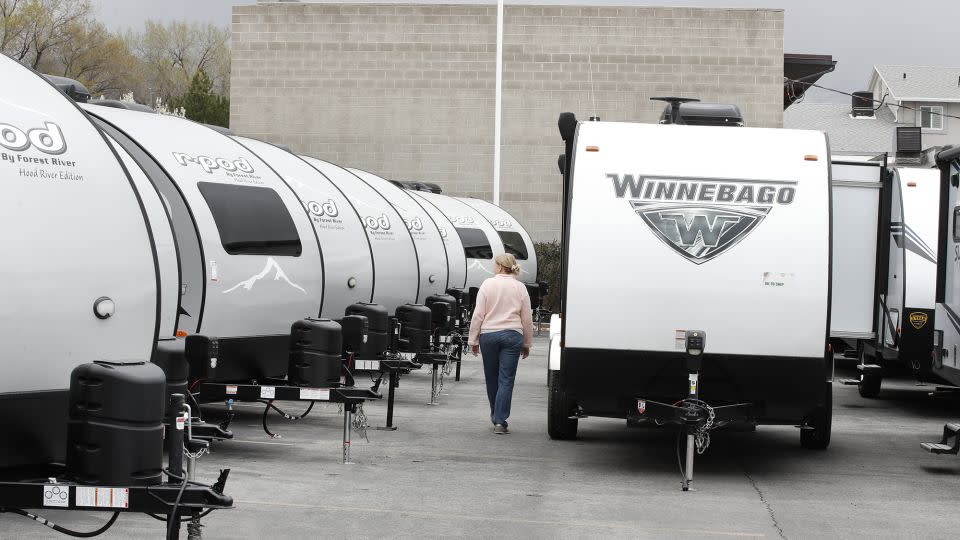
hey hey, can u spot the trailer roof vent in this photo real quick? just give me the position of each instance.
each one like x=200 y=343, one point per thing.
x=70 y=87
x=862 y=104
x=908 y=146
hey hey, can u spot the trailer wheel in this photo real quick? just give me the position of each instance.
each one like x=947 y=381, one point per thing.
x=559 y=424
x=818 y=438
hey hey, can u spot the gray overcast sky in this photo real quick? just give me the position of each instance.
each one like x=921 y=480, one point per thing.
x=858 y=34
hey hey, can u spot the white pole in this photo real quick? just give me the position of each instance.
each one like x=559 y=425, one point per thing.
x=497 y=106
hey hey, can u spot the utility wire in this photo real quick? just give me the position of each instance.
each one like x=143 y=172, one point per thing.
x=878 y=102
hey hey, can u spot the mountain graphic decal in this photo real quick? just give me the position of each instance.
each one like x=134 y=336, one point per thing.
x=272 y=265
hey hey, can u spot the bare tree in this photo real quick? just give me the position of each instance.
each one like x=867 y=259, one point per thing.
x=171 y=54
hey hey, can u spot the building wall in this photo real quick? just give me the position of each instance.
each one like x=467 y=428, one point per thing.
x=407 y=91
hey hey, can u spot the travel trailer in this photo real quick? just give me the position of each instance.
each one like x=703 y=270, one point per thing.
x=395 y=261
x=698 y=273
x=884 y=267
x=431 y=250
x=348 y=269
x=250 y=262
x=80 y=286
x=480 y=240
x=516 y=240
x=946 y=339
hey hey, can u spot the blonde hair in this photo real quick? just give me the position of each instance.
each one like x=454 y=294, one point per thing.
x=508 y=262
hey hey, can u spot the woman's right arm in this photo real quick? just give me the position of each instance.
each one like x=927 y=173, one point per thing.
x=479 y=313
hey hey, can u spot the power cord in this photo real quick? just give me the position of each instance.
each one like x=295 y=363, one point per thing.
x=60 y=529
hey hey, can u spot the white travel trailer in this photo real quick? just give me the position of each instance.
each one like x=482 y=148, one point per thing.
x=348 y=272
x=79 y=279
x=250 y=262
x=946 y=339
x=431 y=250
x=885 y=228
x=516 y=240
x=456 y=256
x=396 y=270
x=480 y=240
x=700 y=255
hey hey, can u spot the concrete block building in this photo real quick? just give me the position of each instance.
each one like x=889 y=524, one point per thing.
x=407 y=91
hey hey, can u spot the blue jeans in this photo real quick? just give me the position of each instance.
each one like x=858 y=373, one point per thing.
x=501 y=354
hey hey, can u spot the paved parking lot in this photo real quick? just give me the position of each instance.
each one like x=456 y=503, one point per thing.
x=444 y=474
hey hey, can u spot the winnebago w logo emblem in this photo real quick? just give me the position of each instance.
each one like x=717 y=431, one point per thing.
x=701 y=218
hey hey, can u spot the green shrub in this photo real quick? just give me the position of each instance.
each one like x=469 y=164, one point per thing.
x=548 y=270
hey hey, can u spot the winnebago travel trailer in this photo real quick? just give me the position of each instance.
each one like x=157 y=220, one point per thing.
x=431 y=250
x=480 y=240
x=250 y=264
x=348 y=272
x=719 y=266
x=516 y=241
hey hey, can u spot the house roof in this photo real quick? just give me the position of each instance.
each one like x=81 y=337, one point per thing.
x=847 y=134
x=920 y=83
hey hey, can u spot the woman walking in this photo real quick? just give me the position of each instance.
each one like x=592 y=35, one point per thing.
x=501 y=329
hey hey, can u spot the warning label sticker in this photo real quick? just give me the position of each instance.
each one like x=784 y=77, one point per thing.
x=371 y=365
x=231 y=390
x=103 y=497
x=318 y=394
x=58 y=496
x=267 y=392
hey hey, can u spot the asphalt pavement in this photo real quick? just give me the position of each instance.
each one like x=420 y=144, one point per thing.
x=443 y=473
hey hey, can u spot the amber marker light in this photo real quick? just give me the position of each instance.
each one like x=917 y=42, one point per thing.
x=593 y=149
x=911 y=184
x=811 y=157
x=181 y=333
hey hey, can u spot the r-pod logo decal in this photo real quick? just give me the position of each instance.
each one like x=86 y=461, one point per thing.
x=700 y=218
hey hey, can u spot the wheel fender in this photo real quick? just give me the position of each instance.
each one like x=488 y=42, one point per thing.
x=553 y=356
x=556 y=325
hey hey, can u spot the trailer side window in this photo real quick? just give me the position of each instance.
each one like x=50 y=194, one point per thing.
x=513 y=244
x=956 y=224
x=475 y=244
x=251 y=220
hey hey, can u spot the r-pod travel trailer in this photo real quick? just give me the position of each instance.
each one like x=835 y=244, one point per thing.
x=81 y=406
x=697 y=269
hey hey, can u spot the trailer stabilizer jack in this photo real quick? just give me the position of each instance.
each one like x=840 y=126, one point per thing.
x=949 y=442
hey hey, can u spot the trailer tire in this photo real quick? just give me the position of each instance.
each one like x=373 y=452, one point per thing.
x=869 y=386
x=821 y=422
x=559 y=424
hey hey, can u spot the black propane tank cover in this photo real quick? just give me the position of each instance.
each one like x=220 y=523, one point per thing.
x=378 y=322
x=533 y=290
x=444 y=308
x=461 y=296
x=115 y=426
x=172 y=359
x=315 y=347
x=416 y=327
x=355 y=331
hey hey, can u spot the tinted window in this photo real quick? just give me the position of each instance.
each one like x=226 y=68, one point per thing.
x=513 y=244
x=251 y=220
x=475 y=244
x=956 y=224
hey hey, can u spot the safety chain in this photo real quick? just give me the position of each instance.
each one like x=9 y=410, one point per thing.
x=701 y=436
x=193 y=529
x=199 y=453
x=360 y=423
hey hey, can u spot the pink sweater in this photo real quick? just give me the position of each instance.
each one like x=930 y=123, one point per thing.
x=502 y=304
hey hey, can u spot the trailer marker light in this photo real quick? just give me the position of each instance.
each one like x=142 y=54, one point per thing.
x=811 y=157
x=593 y=149
x=911 y=184
x=181 y=333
